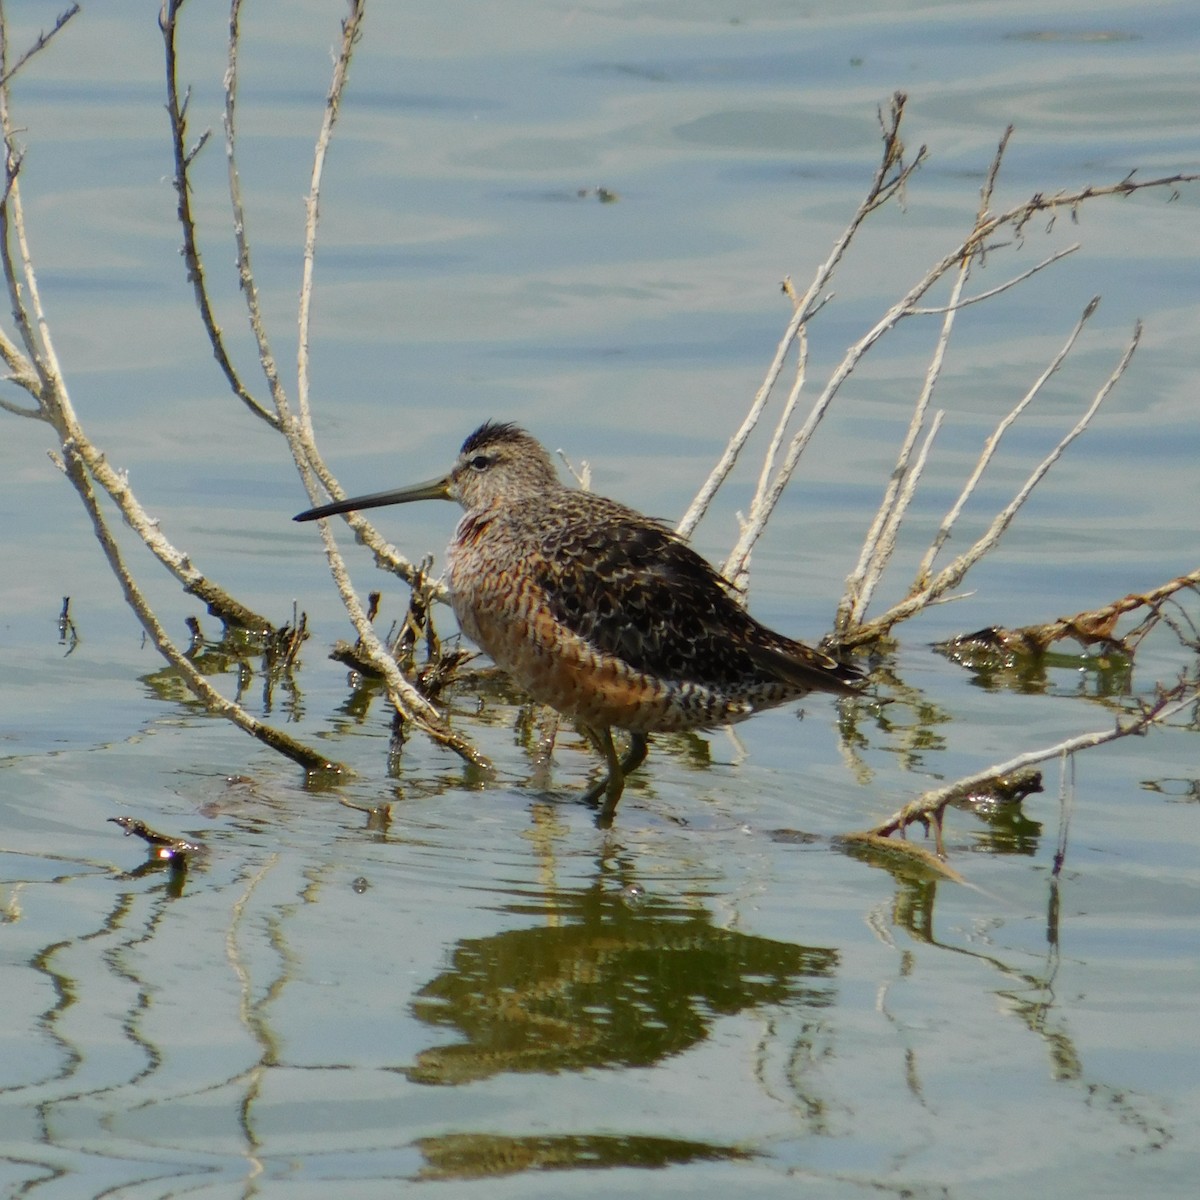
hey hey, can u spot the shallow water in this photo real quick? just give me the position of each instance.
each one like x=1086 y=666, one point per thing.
x=486 y=991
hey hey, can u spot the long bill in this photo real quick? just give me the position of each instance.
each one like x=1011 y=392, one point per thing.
x=431 y=489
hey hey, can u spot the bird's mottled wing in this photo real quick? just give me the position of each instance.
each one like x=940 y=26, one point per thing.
x=632 y=589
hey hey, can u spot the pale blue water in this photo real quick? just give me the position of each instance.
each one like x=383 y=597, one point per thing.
x=490 y=992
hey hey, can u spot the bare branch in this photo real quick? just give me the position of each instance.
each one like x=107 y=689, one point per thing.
x=351 y=31
x=404 y=696
x=245 y=271
x=737 y=567
x=890 y=177
x=978 y=242
x=725 y=463
x=116 y=483
x=887 y=541
x=929 y=806
x=177 y=110
x=22 y=372
x=1094 y=627
x=31 y=365
x=993 y=442
x=926 y=590
x=1049 y=261
x=55 y=407
x=386 y=555
x=312 y=760
x=299 y=430
x=40 y=43
x=582 y=476
x=19 y=410
x=201 y=142
x=881 y=538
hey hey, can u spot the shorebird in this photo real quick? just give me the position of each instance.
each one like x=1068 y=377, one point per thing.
x=603 y=614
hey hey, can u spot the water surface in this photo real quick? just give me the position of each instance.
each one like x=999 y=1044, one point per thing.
x=487 y=991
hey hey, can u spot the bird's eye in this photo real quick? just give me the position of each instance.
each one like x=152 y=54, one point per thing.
x=480 y=462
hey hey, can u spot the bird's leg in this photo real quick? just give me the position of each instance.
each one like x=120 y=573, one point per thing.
x=613 y=784
x=639 y=745
x=618 y=772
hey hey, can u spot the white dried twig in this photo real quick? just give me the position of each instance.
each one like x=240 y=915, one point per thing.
x=197 y=683
x=929 y=805
x=956 y=305
x=925 y=591
x=881 y=537
x=583 y=476
x=184 y=157
x=989 y=449
x=851 y=627
x=37 y=368
x=737 y=566
x=39 y=43
x=890 y=178
x=299 y=431
x=861 y=583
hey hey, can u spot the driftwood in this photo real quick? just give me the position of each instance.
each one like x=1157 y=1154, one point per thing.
x=1096 y=627
x=1010 y=782
x=929 y=808
x=162 y=845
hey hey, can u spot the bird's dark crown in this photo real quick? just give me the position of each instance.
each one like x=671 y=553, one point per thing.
x=493 y=433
